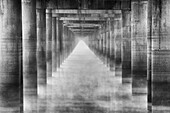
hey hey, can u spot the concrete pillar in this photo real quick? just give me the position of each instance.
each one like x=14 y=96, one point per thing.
x=57 y=42
x=126 y=49
x=118 y=46
x=108 y=46
x=41 y=55
x=101 y=46
x=41 y=44
x=139 y=47
x=105 y=46
x=61 y=40
x=29 y=55
x=10 y=57
x=49 y=42
x=54 y=57
x=112 y=46
x=159 y=54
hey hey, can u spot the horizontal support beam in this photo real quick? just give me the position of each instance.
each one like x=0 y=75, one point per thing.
x=77 y=15
x=82 y=24
x=82 y=19
x=83 y=30
x=74 y=11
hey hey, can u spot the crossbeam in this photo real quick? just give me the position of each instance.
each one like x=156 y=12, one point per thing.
x=86 y=26
x=82 y=24
x=82 y=30
x=83 y=19
x=84 y=11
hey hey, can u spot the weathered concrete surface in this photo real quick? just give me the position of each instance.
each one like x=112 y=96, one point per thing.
x=118 y=46
x=49 y=42
x=159 y=27
x=112 y=46
x=139 y=47
x=54 y=56
x=61 y=40
x=29 y=55
x=57 y=43
x=10 y=57
x=126 y=49
x=41 y=54
x=41 y=44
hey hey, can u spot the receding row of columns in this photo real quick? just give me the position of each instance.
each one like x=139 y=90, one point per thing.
x=136 y=47
x=33 y=45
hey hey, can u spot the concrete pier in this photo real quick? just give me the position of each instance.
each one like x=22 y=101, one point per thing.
x=112 y=46
x=118 y=47
x=159 y=55
x=10 y=57
x=54 y=40
x=126 y=49
x=57 y=42
x=139 y=47
x=49 y=42
x=29 y=40
x=41 y=44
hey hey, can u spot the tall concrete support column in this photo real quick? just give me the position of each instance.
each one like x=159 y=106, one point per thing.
x=118 y=46
x=100 y=46
x=10 y=57
x=54 y=56
x=61 y=40
x=159 y=54
x=29 y=55
x=41 y=44
x=57 y=42
x=49 y=42
x=126 y=50
x=105 y=45
x=108 y=44
x=112 y=46
x=139 y=47
x=41 y=54
x=103 y=48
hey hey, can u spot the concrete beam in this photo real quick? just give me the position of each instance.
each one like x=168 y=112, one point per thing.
x=74 y=11
x=82 y=24
x=82 y=19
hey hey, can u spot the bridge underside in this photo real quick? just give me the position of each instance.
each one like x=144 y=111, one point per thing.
x=129 y=37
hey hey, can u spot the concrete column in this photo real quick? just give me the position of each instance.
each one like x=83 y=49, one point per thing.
x=10 y=57
x=29 y=55
x=49 y=42
x=61 y=40
x=108 y=47
x=126 y=50
x=41 y=55
x=54 y=57
x=159 y=54
x=112 y=46
x=57 y=42
x=139 y=47
x=118 y=46
x=101 y=46
x=105 y=45
x=41 y=44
